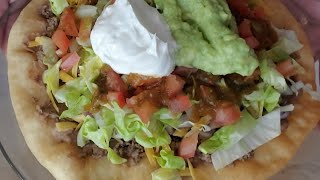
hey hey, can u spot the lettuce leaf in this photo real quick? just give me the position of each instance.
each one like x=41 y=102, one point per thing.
x=57 y=6
x=49 y=50
x=229 y=135
x=168 y=118
x=168 y=160
x=90 y=70
x=166 y=174
x=271 y=76
x=114 y=157
x=75 y=95
x=84 y=11
x=50 y=77
x=288 y=41
x=268 y=127
x=127 y=124
x=265 y=97
x=158 y=137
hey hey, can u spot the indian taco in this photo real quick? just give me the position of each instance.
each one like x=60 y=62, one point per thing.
x=161 y=89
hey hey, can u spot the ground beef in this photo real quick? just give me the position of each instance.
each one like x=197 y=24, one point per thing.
x=132 y=151
x=51 y=19
x=174 y=145
x=247 y=156
x=47 y=111
x=93 y=150
x=200 y=157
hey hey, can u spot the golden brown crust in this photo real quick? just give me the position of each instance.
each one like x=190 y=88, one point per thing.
x=61 y=159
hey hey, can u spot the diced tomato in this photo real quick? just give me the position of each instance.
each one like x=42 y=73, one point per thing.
x=114 y=82
x=188 y=146
x=70 y=61
x=145 y=110
x=252 y=42
x=227 y=113
x=184 y=71
x=173 y=85
x=180 y=103
x=68 y=23
x=85 y=28
x=258 y=12
x=240 y=6
x=61 y=40
x=245 y=29
x=286 y=68
x=118 y=97
x=65 y=57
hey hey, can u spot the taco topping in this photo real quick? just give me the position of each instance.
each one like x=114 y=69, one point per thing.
x=173 y=81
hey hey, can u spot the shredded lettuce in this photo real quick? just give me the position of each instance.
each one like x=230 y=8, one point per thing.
x=158 y=137
x=84 y=11
x=114 y=157
x=75 y=95
x=229 y=135
x=90 y=70
x=265 y=97
x=50 y=77
x=99 y=133
x=166 y=174
x=288 y=41
x=168 y=160
x=268 y=127
x=49 y=50
x=271 y=76
x=57 y=6
x=127 y=124
x=168 y=118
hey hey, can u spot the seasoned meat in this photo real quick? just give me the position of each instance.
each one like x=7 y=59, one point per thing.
x=93 y=150
x=46 y=11
x=284 y=124
x=200 y=157
x=247 y=156
x=132 y=151
x=175 y=141
x=47 y=111
x=52 y=24
x=206 y=78
x=51 y=19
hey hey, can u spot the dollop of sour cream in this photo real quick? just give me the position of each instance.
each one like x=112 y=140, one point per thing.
x=133 y=37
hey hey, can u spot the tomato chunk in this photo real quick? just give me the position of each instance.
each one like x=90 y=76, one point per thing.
x=252 y=42
x=61 y=40
x=180 y=103
x=188 y=146
x=286 y=68
x=173 y=85
x=68 y=23
x=227 y=113
x=258 y=12
x=145 y=110
x=114 y=82
x=240 y=6
x=245 y=29
x=118 y=97
x=69 y=61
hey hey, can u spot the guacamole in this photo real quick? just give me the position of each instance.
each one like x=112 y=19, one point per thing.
x=204 y=31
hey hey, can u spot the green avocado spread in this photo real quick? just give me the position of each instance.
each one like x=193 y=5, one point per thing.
x=205 y=32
